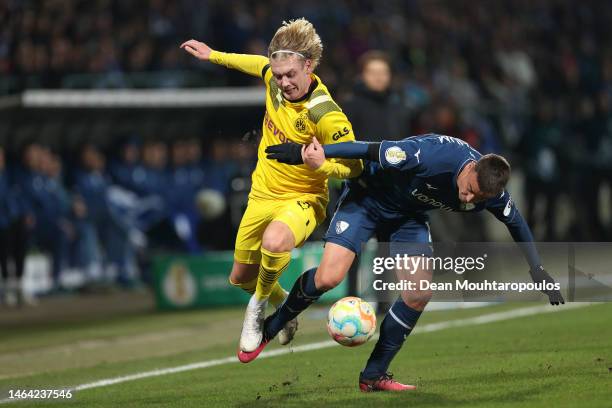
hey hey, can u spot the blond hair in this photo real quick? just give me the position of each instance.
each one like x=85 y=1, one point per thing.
x=296 y=37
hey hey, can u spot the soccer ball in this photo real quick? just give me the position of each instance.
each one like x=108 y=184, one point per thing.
x=351 y=321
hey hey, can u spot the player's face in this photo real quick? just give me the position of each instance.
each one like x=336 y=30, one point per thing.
x=292 y=75
x=467 y=183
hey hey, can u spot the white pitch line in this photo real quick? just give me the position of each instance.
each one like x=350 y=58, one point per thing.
x=426 y=328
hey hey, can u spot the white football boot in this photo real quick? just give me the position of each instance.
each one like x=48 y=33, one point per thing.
x=287 y=333
x=252 y=328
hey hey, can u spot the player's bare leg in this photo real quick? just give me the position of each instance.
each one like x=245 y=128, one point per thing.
x=333 y=272
x=396 y=326
x=277 y=243
x=334 y=266
x=271 y=244
x=244 y=276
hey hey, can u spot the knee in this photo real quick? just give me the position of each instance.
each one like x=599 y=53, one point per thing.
x=417 y=299
x=276 y=243
x=325 y=281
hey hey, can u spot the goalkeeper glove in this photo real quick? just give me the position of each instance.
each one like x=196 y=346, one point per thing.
x=539 y=275
x=288 y=153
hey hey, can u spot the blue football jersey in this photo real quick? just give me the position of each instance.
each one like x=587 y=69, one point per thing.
x=419 y=174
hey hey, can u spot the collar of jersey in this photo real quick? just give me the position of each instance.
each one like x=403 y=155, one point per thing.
x=458 y=171
x=313 y=86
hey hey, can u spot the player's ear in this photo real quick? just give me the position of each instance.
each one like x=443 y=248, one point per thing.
x=473 y=167
x=308 y=66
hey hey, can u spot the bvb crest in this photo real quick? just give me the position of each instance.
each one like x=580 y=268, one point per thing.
x=300 y=124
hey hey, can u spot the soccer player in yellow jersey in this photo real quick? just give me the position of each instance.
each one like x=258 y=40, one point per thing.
x=286 y=202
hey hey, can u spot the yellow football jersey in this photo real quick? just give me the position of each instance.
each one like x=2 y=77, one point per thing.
x=316 y=114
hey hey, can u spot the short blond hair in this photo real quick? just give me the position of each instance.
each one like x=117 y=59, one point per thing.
x=300 y=38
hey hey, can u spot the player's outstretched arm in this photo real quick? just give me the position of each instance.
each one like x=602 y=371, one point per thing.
x=198 y=49
x=353 y=150
x=504 y=209
x=249 y=64
x=292 y=153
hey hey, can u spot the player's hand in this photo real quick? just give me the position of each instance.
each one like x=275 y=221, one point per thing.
x=539 y=275
x=313 y=154
x=198 y=49
x=288 y=153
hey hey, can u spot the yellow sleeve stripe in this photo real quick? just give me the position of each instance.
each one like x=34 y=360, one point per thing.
x=319 y=99
x=320 y=109
x=274 y=93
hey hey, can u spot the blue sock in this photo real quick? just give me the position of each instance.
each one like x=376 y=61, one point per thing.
x=396 y=326
x=303 y=294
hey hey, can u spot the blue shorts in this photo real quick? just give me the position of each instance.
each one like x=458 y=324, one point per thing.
x=359 y=217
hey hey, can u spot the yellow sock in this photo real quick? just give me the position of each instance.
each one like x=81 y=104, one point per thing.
x=272 y=265
x=277 y=296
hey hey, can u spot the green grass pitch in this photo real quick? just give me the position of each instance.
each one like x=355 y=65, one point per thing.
x=561 y=359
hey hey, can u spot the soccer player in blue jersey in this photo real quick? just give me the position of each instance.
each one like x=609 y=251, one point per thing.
x=401 y=182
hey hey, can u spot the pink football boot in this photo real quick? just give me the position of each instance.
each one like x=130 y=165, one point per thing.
x=384 y=383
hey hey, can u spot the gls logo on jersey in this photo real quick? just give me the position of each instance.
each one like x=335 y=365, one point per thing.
x=303 y=205
x=395 y=155
x=341 y=226
x=341 y=133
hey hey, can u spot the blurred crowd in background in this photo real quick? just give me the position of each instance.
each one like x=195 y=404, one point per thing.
x=104 y=214
x=529 y=79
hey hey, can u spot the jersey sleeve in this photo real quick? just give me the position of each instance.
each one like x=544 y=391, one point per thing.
x=404 y=155
x=331 y=128
x=504 y=209
x=255 y=65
